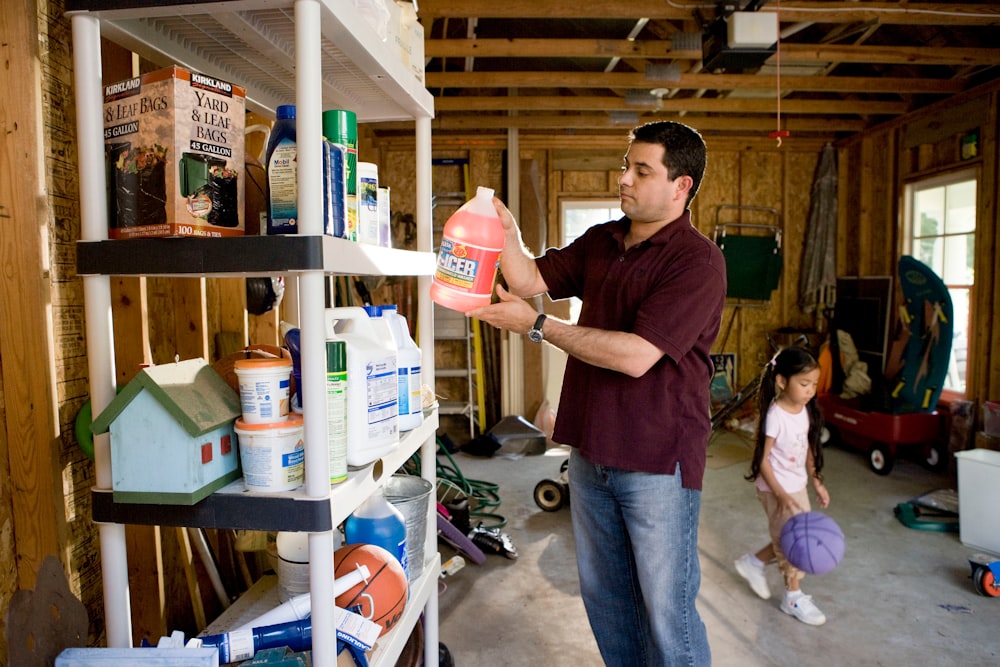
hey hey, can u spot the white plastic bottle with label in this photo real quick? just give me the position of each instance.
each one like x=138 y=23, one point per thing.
x=368 y=203
x=383 y=329
x=293 y=564
x=409 y=357
x=372 y=392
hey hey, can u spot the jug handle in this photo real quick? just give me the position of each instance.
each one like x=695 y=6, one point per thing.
x=260 y=127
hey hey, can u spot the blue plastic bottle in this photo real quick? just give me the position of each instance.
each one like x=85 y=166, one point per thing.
x=334 y=189
x=377 y=522
x=242 y=645
x=282 y=174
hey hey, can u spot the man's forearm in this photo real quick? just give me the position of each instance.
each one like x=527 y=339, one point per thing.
x=615 y=350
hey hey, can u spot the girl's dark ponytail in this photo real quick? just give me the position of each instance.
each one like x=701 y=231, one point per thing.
x=764 y=399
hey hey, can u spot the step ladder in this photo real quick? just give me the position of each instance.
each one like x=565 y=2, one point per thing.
x=451 y=326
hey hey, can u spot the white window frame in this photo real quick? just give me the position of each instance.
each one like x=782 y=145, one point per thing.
x=955 y=382
x=612 y=207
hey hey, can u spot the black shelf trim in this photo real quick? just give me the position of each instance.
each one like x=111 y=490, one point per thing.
x=240 y=255
x=221 y=510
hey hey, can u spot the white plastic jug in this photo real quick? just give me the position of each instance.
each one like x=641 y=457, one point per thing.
x=372 y=398
x=409 y=356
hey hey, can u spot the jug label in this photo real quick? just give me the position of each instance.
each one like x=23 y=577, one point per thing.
x=383 y=399
x=466 y=267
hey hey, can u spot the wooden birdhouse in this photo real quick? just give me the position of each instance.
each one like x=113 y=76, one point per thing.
x=172 y=437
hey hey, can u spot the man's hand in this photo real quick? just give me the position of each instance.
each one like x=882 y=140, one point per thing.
x=511 y=313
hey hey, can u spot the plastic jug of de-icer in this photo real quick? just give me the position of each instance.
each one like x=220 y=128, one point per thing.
x=469 y=255
x=372 y=400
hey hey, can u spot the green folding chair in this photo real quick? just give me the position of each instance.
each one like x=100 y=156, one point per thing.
x=753 y=256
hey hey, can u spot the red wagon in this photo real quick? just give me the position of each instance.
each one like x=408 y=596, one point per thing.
x=883 y=435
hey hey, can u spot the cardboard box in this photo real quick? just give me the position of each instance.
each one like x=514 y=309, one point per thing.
x=174 y=151
x=406 y=36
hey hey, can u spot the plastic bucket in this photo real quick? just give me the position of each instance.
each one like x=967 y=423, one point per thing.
x=264 y=386
x=272 y=455
x=410 y=495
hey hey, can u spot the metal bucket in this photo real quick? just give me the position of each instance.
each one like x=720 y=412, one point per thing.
x=410 y=495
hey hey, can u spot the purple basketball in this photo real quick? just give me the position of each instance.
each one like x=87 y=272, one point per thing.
x=812 y=542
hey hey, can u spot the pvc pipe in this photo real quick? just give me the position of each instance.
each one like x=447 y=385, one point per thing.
x=425 y=334
x=309 y=133
x=87 y=81
x=300 y=606
x=201 y=546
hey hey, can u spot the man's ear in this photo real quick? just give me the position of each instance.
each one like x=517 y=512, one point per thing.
x=684 y=185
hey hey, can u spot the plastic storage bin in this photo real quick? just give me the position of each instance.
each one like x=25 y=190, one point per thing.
x=979 y=498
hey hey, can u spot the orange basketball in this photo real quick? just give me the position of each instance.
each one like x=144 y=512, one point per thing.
x=382 y=597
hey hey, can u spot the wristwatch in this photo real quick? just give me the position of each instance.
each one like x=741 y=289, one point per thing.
x=535 y=332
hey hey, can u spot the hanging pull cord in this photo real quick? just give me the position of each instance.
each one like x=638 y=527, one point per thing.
x=778 y=133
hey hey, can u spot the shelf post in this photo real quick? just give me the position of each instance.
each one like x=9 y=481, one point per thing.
x=87 y=80
x=425 y=333
x=309 y=136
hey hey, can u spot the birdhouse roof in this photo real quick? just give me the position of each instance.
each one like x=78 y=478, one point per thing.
x=191 y=391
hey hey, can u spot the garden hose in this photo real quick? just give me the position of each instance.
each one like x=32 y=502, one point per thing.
x=483 y=496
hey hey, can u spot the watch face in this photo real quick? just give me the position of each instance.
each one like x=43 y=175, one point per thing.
x=535 y=336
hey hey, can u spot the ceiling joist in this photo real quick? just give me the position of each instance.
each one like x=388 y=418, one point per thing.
x=662 y=49
x=699 y=104
x=845 y=11
x=625 y=80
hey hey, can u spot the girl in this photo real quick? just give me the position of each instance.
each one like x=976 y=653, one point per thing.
x=788 y=455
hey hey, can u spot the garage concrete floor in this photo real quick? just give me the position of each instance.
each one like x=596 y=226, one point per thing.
x=901 y=596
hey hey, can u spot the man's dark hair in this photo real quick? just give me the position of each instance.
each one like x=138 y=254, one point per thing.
x=684 y=152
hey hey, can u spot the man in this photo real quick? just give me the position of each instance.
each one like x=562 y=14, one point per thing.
x=635 y=396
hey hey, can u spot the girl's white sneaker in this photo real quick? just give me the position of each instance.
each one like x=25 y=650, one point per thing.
x=754 y=575
x=802 y=608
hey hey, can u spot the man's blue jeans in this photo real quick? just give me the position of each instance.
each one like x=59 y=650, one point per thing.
x=637 y=552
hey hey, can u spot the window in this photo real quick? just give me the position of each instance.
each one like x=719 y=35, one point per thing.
x=576 y=218
x=941 y=227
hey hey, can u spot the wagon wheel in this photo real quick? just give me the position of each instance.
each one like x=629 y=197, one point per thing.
x=880 y=460
x=936 y=458
x=549 y=495
x=985 y=583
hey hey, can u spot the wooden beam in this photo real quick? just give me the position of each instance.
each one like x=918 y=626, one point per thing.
x=816 y=11
x=555 y=48
x=552 y=9
x=626 y=80
x=32 y=511
x=595 y=121
x=718 y=105
x=894 y=55
x=602 y=140
x=662 y=49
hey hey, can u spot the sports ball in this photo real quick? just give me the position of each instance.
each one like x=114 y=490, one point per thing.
x=382 y=597
x=812 y=542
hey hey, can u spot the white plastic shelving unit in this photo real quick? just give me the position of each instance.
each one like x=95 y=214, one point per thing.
x=321 y=54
